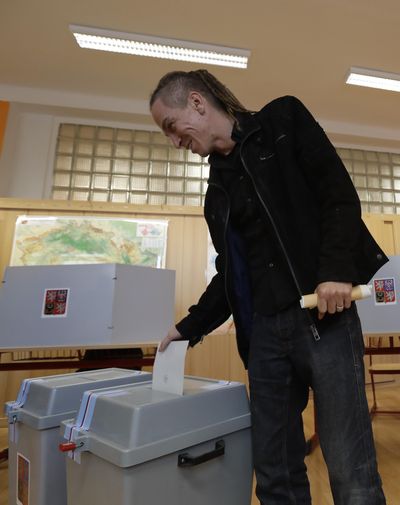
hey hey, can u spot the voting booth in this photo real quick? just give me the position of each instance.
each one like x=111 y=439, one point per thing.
x=380 y=313
x=36 y=466
x=85 y=305
x=139 y=446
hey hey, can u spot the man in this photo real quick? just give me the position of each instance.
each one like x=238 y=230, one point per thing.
x=285 y=220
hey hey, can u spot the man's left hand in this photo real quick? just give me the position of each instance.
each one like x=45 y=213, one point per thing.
x=333 y=297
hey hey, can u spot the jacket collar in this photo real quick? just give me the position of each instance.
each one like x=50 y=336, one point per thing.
x=247 y=123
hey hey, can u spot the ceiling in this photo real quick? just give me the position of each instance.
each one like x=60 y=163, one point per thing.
x=299 y=47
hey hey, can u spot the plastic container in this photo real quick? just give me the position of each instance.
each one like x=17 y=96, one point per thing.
x=138 y=446
x=36 y=466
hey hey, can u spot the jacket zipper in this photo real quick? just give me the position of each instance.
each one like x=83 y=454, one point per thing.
x=313 y=327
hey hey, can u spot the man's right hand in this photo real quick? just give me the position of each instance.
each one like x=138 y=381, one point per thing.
x=173 y=334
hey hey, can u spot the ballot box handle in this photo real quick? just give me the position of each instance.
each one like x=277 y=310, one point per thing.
x=185 y=460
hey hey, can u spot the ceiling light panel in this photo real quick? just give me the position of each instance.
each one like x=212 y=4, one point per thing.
x=373 y=79
x=158 y=47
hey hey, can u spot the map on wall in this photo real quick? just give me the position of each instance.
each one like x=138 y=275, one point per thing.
x=63 y=240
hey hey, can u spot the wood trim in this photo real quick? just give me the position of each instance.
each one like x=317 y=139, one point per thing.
x=96 y=207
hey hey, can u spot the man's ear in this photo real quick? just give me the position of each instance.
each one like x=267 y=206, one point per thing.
x=197 y=101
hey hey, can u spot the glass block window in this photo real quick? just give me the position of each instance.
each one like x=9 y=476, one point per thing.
x=129 y=166
x=376 y=176
x=133 y=166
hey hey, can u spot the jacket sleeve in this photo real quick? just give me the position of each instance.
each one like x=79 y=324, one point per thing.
x=337 y=199
x=211 y=310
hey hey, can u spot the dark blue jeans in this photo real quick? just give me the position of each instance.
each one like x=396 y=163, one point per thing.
x=284 y=362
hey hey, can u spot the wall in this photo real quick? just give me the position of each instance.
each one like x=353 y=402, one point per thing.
x=26 y=163
x=6 y=138
x=27 y=151
x=4 y=108
x=27 y=158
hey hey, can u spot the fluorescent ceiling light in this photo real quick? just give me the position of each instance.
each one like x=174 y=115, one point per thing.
x=373 y=79
x=157 y=47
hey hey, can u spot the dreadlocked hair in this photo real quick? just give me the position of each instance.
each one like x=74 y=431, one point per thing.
x=173 y=89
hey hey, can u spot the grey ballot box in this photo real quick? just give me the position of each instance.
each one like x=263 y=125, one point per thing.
x=145 y=447
x=85 y=305
x=37 y=473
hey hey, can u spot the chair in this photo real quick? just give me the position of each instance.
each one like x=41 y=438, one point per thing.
x=382 y=345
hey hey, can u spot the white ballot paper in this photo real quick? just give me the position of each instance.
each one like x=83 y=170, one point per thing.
x=169 y=368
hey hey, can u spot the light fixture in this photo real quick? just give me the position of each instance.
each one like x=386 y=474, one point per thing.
x=157 y=47
x=373 y=79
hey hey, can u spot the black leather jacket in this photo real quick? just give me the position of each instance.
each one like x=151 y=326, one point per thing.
x=309 y=200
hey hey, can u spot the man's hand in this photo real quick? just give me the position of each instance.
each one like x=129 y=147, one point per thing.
x=333 y=297
x=173 y=334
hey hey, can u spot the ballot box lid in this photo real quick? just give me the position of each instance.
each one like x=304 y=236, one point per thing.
x=132 y=424
x=44 y=402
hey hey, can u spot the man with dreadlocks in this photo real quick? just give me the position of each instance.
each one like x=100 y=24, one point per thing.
x=285 y=220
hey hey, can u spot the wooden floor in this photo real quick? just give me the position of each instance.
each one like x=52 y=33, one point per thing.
x=387 y=441
x=387 y=438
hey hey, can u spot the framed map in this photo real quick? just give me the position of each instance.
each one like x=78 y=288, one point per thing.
x=55 y=240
